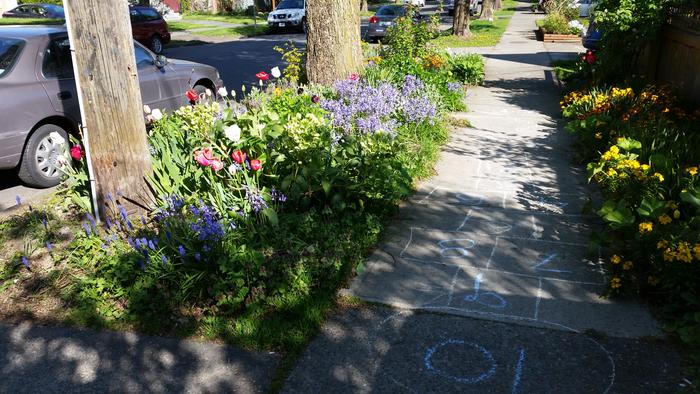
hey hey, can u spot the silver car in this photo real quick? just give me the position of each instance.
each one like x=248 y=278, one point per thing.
x=40 y=96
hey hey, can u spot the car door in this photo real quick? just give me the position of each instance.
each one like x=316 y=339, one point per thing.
x=22 y=11
x=149 y=77
x=138 y=30
x=56 y=77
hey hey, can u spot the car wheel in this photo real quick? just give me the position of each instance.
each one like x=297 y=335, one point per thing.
x=156 y=45
x=40 y=159
x=202 y=91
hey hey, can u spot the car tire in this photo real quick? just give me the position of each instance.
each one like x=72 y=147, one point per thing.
x=39 y=165
x=156 y=44
x=202 y=91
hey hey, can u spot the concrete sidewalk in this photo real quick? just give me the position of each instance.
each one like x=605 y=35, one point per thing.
x=488 y=267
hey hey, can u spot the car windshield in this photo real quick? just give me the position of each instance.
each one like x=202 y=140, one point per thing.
x=391 y=10
x=291 y=4
x=55 y=9
x=9 y=53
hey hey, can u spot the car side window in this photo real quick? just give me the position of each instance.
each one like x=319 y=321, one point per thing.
x=150 y=15
x=58 y=62
x=22 y=9
x=143 y=58
x=39 y=11
x=135 y=16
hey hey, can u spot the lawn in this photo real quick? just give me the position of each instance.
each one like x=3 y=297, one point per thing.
x=233 y=19
x=183 y=26
x=31 y=21
x=234 y=32
x=484 y=33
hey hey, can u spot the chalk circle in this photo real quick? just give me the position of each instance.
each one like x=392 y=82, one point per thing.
x=488 y=357
x=461 y=250
x=480 y=298
x=469 y=200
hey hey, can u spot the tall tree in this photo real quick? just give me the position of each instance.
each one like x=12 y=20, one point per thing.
x=364 y=7
x=487 y=10
x=110 y=99
x=460 y=22
x=333 y=40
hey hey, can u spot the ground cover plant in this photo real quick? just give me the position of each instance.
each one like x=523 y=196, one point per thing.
x=262 y=206
x=484 y=33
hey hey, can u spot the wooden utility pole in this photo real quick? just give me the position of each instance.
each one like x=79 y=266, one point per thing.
x=113 y=129
x=333 y=40
x=460 y=22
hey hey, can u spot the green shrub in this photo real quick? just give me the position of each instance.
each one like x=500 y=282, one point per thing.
x=468 y=69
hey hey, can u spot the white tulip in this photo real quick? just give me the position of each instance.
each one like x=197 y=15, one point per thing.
x=222 y=91
x=232 y=169
x=57 y=138
x=61 y=161
x=276 y=72
x=146 y=109
x=157 y=115
x=233 y=133
x=208 y=92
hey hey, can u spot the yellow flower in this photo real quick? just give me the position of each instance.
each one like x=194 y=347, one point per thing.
x=662 y=244
x=645 y=227
x=612 y=172
x=645 y=167
x=653 y=280
x=684 y=253
x=665 y=219
x=669 y=255
x=616 y=283
x=676 y=214
x=599 y=136
x=277 y=91
x=658 y=176
x=627 y=265
x=615 y=259
x=696 y=250
x=692 y=170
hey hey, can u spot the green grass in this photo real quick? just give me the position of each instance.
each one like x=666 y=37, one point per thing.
x=183 y=26
x=234 y=19
x=31 y=21
x=484 y=33
x=234 y=32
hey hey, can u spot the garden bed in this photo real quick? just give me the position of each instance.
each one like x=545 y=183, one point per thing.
x=550 y=37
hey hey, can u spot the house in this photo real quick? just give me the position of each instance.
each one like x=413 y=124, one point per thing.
x=7 y=5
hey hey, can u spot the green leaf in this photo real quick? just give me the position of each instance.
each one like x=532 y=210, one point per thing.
x=629 y=144
x=271 y=215
x=617 y=214
x=327 y=187
x=691 y=197
x=651 y=207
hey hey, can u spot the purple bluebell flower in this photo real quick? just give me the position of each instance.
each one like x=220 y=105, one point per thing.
x=164 y=260
x=256 y=200
x=108 y=221
x=25 y=262
x=91 y=219
x=110 y=197
x=45 y=222
x=104 y=246
x=454 y=86
x=197 y=257
x=151 y=245
x=181 y=250
x=86 y=227
x=143 y=220
x=18 y=199
x=122 y=212
x=208 y=226
x=129 y=225
x=49 y=247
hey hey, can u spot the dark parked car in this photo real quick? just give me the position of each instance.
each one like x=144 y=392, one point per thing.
x=592 y=38
x=149 y=28
x=35 y=11
x=36 y=72
x=384 y=18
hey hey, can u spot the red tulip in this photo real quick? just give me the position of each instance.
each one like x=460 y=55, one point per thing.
x=263 y=76
x=354 y=77
x=589 y=57
x=238 y=157
x=192 y=96
x=76 y=152
x=255 y=164
x=315 y=99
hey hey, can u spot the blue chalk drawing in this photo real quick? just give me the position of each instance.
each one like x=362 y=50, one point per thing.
x=518 y=371
x=480 y=297
x=427 y=360
x=461 y=250
x=547 y=260
x=469 y=200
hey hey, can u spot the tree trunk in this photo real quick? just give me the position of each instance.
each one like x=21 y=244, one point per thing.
x=498 y=5
x=460 y=22
x=364 y=7
x=487 y=10
x=114 y=133
x=214 y=6
x=333 y=42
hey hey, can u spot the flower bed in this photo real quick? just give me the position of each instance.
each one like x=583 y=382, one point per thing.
x=642 y=149
x=261 y=208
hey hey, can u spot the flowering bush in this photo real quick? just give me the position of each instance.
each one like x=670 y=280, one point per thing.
x=644 y=148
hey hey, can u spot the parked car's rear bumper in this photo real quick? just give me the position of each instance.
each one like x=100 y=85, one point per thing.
x=376 y=31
